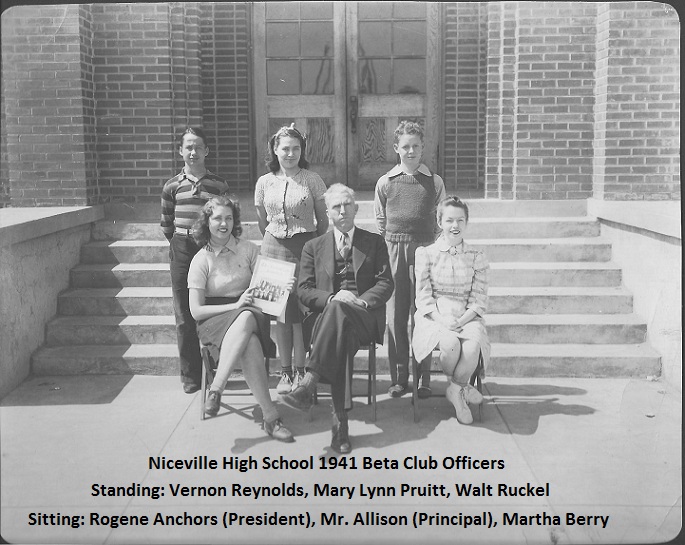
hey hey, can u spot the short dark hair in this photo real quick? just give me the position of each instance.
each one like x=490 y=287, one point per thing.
x=407 y=127
x=201 y=225
x=197 y=131
x=271 y=159
x=452 y=200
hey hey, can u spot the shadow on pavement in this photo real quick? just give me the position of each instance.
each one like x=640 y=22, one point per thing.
x=69 y=390
x=520 y=409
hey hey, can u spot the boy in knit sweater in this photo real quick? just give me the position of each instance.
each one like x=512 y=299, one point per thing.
x=405 y=203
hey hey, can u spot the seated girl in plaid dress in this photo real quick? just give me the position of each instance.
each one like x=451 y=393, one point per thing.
x=451 y=298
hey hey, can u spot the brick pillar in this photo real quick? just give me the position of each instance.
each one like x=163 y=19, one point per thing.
x=186 y=68
x=462 y=145
x=637 y=110
x=501 y=100
x=48 y=163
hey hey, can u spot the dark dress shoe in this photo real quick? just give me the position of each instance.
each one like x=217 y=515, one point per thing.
x=340 y=441
x=278 y=431
x=300 y=398
x=190 y=387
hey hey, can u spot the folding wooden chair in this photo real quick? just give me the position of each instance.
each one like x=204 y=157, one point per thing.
x=208 y=372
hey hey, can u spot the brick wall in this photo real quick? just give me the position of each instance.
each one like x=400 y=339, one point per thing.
x=43 y=105
x=462 y=144
x=226 y=115
x=136 y=148
x=638 y=109
x=555 y=81
x=4 y=165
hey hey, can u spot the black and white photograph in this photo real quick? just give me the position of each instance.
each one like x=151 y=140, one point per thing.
x=469 y=212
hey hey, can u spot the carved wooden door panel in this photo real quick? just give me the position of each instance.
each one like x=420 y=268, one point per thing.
x=345 y=73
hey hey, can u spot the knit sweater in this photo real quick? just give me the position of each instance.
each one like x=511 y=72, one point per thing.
x=405 y=205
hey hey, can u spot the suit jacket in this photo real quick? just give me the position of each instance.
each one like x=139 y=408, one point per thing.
x=371 y=270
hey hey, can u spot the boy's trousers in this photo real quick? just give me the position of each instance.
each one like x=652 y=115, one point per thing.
x=399 y=306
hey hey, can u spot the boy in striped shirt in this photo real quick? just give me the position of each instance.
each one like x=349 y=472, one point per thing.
x=182 y=198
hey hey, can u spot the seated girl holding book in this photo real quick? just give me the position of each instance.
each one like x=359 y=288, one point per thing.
x=451 y=298
x=234 y=331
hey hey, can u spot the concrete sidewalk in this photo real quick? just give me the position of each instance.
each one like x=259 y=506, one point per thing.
x=608 y=449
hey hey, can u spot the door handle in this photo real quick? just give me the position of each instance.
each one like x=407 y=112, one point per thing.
x=354 y=110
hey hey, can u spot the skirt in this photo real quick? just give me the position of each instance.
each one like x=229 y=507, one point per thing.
x=288 y=249
x=212 y=330
x=427 y=335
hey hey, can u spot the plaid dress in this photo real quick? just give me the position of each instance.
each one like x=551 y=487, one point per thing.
x=450 y=279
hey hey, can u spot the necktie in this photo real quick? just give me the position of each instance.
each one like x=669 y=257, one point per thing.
x=345 y=246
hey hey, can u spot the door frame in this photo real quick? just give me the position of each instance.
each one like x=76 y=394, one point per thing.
x=338 y=105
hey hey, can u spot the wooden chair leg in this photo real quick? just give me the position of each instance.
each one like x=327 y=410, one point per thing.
x=372 y=376
x=476 y=380
x=415 y=389
x=203 y=389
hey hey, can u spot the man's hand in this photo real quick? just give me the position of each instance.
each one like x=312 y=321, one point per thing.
x=346 y=296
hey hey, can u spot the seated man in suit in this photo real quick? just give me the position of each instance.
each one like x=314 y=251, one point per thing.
x=345 y=280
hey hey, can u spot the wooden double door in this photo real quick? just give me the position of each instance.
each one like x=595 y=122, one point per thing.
x=346 y=73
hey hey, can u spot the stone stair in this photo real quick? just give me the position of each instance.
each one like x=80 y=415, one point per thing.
x=556 y=308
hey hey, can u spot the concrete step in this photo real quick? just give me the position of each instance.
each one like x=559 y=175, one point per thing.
x=478 y=228
x=84 y=330
x=546 y=300
x=560 y=274
x=505 y=328
x=111 y=275
x=510 y=360
x=496 y=250
x=478 y=208
x=573 y=360
x=125 y=251
x=554 y=300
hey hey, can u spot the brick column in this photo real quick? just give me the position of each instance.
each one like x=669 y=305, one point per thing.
x=45 y=104
x=501 y=100
x=637 y=111
x=186 y=69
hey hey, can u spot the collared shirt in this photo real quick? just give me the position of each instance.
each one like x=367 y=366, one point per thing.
x=184 y=195
x=225 y=271
x=456 y=276
x=339 y=238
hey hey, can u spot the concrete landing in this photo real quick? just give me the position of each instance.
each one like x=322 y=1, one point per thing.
x=607 y=449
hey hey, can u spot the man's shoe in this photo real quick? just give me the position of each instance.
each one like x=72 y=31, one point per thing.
x=300 y=399
x=397 y=390
x=297 y=378
x=424 y=392
x=278 y=431
x=455 y=394
x=190 y=387
x=340 y=440
x=212 y=403
x=285 y=385
x=472 y=395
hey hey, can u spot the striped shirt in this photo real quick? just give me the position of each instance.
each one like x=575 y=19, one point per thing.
x=184 y=195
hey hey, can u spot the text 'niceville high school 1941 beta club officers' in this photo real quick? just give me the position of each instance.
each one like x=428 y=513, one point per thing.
x=454 y=494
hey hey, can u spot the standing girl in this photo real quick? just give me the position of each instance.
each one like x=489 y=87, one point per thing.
x=290 y=211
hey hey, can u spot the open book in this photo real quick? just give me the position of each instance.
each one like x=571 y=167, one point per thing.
x=269 y=285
